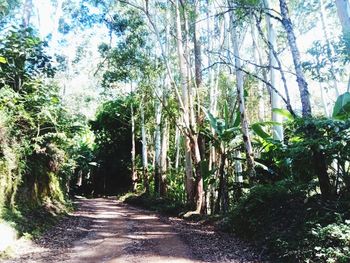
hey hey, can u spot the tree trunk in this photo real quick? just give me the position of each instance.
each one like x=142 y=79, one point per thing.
x=222 y=184
x=144 y=149
x=27 y=13
x=329 y=48
x=343 y=10
x=257 y=60
x=240 y=97
x=302 y=84
x=198 y=79
x=321 y=171
x=275 y=98
x=164 y=150
x=177 y=145
x=133 y=170
x=157 y=142
x=189 y=182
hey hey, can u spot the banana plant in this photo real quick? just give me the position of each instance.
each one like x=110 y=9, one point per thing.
x=225 y=129
x=341 y=110
x=259 y=127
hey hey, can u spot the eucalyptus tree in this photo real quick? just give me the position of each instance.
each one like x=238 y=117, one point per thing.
x=276 y=102
x=302 y=84
x=343 y=10
x=185 y=101
x=240 y=94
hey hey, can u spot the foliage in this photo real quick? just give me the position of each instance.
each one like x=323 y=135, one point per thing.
x=333 y=242
x=37 y=153
x=25 y=58
x=113 y=146
x=31 y=222
x=164 y=205
x=309 y=137
x=341 y=109
x=128 y=60
x=292 y=226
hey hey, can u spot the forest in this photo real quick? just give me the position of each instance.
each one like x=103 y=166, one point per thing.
x=228 y=113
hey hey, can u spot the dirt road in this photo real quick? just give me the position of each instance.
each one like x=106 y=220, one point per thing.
x=105 y=230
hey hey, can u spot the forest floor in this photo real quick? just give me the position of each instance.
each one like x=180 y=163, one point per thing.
x=106 y=230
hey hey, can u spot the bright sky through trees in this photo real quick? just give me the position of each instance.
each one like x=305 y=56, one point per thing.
x=44 y=17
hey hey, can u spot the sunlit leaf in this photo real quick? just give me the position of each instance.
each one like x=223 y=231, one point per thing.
x=283 y=113
x=257 y=128
x=341 y=108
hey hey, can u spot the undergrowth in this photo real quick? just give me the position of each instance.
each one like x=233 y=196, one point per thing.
x=30 y=221
x=159 y=204
x=291 y=226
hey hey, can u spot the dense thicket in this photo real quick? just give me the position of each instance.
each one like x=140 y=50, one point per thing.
x=113 y=148
x=39 y=137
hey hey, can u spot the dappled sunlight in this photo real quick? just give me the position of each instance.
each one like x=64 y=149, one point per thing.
x=119 y=233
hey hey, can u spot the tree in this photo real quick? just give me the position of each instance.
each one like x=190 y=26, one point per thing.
x=240 y=98
x=302 y=84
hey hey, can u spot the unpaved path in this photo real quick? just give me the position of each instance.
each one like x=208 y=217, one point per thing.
x=105 y=230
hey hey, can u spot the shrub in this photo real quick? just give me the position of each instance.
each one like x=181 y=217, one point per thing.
x=292 y=226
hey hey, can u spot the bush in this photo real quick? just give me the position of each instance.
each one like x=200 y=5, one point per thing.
x=162 y=205
x=291 y=226
x=332 y=242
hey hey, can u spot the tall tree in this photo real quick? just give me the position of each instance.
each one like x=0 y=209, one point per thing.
x=302 y=84
x=240 y=96
x=185 y=100
x=343 y=10
x=275 y=98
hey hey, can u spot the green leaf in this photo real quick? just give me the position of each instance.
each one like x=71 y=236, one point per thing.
x=212 y=120
x=283 y=113
x=229 y=134
x=341 y=108
x=269 y=123
x=204 y=167
x=226 y=114
x=237 y=119
x=257 y=128
x=3 y=60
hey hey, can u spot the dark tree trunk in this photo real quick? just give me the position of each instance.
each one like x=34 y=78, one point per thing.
x=222 y=182
x=323 y=178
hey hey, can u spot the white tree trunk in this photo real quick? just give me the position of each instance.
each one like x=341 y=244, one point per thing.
x=323 y=100
x=240 y=94
x=257 y=60
x=157 y=140
x=133 y=169
x=144 y=148
x=163 y=156
x=27 y=13
x=185 y=100
x=177 y=145
x=238 y=168
x=343 y=10
x=329 y=47
x=276 y=102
